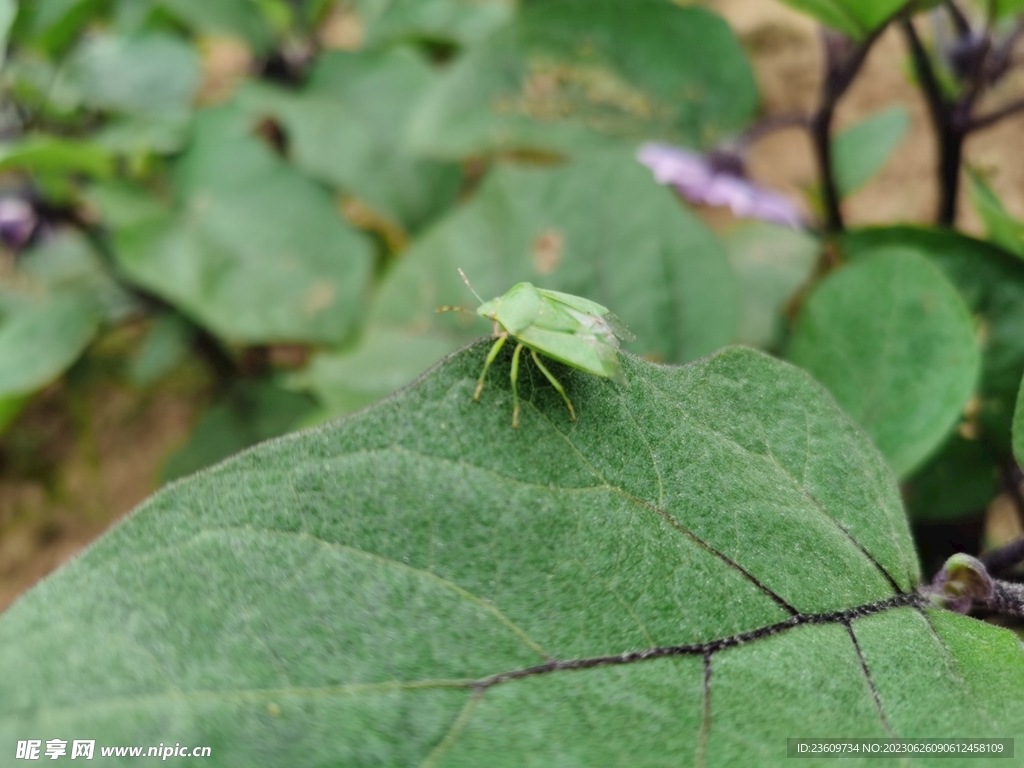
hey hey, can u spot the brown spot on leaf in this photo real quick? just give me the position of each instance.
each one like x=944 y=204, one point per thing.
x=547 y=251
x=320 y=297
x=596 y=95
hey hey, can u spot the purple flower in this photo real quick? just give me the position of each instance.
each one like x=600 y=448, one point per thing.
x=17 y=220
x=717 y=179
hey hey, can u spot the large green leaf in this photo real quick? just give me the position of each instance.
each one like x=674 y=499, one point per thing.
x=991 y=282
x=567 y=72
x=862 y=149
x=347 y=596
x=856 y=18
x=253 y=250
x=600 y=228
x=458 y=21
x=893 y=341
x=345 y=128
x=155 y=73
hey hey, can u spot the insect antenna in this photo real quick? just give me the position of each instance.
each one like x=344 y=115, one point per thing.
x=451 y=308
x=469 y=285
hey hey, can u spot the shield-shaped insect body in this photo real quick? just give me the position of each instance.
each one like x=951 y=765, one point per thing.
x=570 y=329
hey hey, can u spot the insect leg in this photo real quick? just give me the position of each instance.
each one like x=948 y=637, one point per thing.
x=555 y=384
x=490 y=359
x=515 y=389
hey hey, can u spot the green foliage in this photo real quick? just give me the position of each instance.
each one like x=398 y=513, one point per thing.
x=49 y=312
x=1008 y=7
x=856 y=18
x=274 y=197
x=991 y=283
x=1001 y=228
x=250 y=248
x=569 y=74
x=165 y=345
x=149 y=75
x=893 y=341
x=959 y=482
x=52 y=156
x=41 y=334
x=451 y=21
x=771 y=263
x=237 y=18
x=249 y=413
x=862 y=149
x=337 y=593
x=345 y=128
x=8 y=9
x=1018 y=428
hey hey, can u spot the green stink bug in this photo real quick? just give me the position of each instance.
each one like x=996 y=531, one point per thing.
x=566 y=328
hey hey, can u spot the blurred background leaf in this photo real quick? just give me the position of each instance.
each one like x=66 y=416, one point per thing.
x=856 y=18
x=893 y=341
x=345 y=128
x=771 y=263
x=571 y=74
x=859 y=152
x=248 y=248
x=1001 y=228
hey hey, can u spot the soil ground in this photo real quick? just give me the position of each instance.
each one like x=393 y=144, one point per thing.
x=82 y=456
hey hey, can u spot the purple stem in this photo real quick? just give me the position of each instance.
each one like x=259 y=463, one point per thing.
x=1007 y=599
x=995 y=116
x=950 y=135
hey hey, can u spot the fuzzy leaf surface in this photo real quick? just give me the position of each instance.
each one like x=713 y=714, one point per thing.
x=343 y=595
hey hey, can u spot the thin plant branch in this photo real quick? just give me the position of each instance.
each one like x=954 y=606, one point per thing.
x=837 y=80
x=950 y=136
x=995 y=116
x=843 y=63
x=960 y=23
x=1007 y=599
